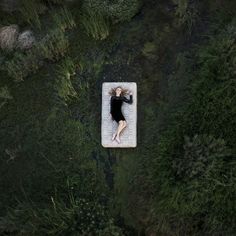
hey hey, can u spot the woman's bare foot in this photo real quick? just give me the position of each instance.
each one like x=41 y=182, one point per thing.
x=113 y=137
x=118 y=139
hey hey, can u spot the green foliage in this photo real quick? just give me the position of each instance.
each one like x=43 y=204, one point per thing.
x=4 y=93
x=4 y=96
x=195 y=175
x=202 y=155
x=62 y=151
x=214 y=90
x=95 y=24
x=149 y=50
x=174 y=183
x=64 y=19
x=64 y=84
x=117 y=11
x=21 y=65
x=56 y=1
x=110 y=229
x=187 y=14
x=183 y=183
x=78 y=216
x=30 y=11
x=52 y=47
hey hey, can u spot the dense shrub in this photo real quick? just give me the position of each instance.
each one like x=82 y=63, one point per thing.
x=31 y=10
x=117 y=11
x=4 y=95
x=201 y=156
x=203 y=167
x=214 y=89
x=188 y=180
x=52 y=46
x=76 y=217
x=187 y=13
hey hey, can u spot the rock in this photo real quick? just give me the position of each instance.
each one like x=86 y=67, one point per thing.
x=26 y=40
x=8 y=36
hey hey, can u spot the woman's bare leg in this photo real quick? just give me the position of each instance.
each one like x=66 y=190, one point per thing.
x=114 y=135
x=122 y=125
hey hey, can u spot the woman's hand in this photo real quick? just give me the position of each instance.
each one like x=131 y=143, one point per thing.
x=130 y=93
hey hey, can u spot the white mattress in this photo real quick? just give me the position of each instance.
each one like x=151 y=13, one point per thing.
x=128 y=136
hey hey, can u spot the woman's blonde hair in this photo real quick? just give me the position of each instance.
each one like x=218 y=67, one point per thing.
x=124 y=92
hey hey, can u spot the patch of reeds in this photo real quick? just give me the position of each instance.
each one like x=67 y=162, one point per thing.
x=95 y=24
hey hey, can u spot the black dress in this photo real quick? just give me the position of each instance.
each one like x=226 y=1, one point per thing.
x=115 y=106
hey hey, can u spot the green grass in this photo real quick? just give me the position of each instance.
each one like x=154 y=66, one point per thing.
x=30 y=12
x=95 y=25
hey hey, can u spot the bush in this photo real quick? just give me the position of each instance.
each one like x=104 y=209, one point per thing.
x=214 y=90
x=30 y=11
x=78 y=216
x=187 y=14
x=117 y=11
x=195 y=174
x=202 y=155
x=4 y=95
x=188 y=180
x=52 y=47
